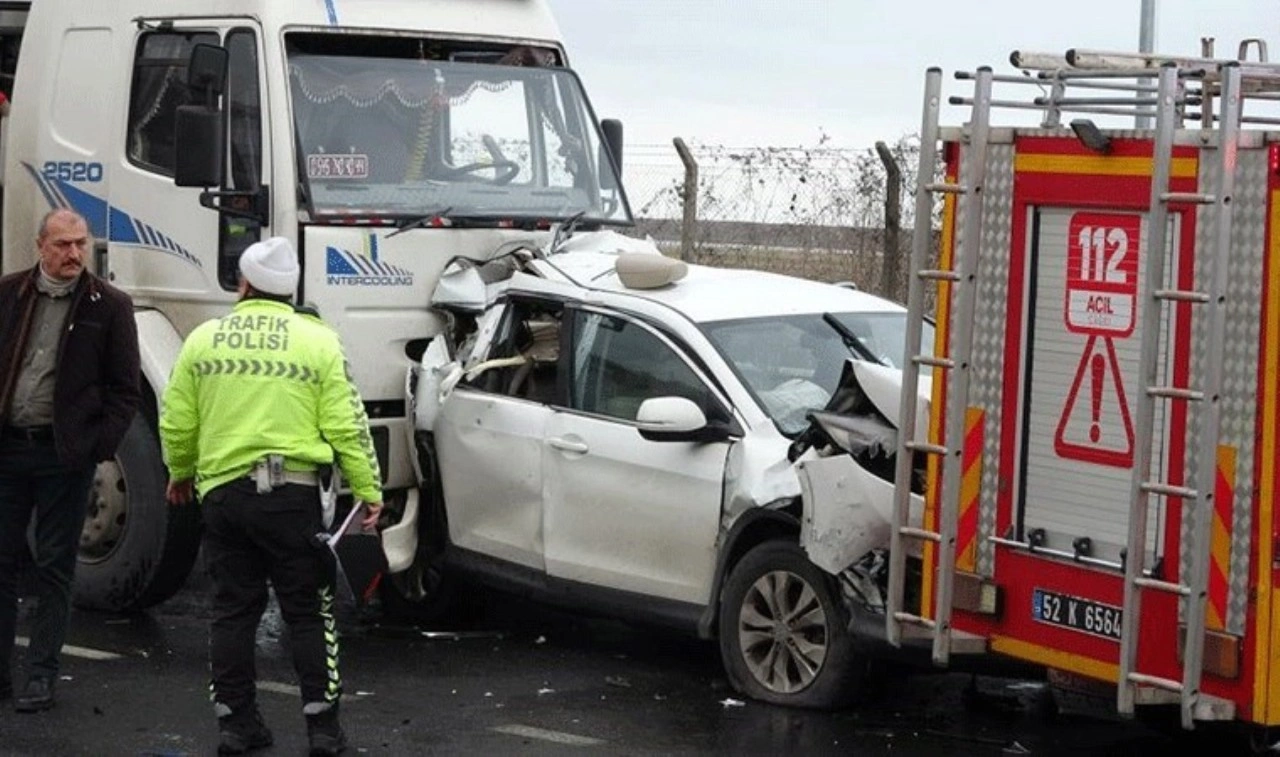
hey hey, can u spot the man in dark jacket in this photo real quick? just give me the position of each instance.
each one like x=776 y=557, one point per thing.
x=68 y=392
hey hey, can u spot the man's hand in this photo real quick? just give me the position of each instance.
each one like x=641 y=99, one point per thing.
x=371 y=512
x=180 y=492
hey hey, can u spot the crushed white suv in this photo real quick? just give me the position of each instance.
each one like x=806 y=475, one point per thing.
x=605 y=428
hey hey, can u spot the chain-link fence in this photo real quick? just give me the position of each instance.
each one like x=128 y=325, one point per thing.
x=818 y=212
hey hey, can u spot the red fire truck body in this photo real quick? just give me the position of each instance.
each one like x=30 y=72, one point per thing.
x=1106 y=384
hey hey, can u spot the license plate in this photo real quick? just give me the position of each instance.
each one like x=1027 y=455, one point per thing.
x=337 y=166
x=1078 y=614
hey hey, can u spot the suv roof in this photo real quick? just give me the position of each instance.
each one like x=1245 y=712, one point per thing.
x=708 y=293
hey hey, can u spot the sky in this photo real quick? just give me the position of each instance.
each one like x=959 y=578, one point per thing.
x=788 y=73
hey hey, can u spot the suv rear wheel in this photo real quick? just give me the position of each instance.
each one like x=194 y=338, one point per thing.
x=784 y=634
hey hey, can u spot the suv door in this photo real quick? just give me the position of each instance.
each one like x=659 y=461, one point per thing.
x=489 y=438
x=621 y=511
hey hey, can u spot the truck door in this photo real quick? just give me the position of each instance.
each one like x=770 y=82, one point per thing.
x=164 y=243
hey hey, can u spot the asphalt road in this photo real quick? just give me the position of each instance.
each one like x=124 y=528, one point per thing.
x=517 y=679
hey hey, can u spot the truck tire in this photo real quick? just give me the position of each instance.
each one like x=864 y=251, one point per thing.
x=135 y=550
x=784 y=633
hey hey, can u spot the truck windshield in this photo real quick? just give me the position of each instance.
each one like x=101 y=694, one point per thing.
x=399 y=137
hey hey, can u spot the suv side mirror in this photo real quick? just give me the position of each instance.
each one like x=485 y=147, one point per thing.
x=676 y=419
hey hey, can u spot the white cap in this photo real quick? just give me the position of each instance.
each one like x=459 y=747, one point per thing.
x=271 y=266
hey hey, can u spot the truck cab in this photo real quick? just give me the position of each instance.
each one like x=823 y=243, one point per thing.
x=383 y=137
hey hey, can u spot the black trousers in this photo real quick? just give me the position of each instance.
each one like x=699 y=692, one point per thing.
x=251 y=539
x=33 y=480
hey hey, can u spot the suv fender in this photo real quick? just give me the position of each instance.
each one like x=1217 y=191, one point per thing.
x=753 y=527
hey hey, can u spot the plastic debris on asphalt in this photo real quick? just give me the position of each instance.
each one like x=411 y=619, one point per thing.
x=459 y=635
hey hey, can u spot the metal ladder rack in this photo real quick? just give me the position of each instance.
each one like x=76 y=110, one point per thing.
x=963 y=277
x=1212 y=299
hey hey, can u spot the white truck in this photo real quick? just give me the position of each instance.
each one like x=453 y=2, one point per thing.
x=653 y=453
x=383 y=137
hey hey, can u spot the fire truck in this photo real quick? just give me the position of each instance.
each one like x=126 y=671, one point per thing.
x=1102 y=430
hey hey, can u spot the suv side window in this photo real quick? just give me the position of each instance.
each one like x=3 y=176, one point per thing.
x=525 y=356
x=159 y=87
x=618 y=364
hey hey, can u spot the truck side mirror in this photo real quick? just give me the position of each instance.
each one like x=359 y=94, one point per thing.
x=207 y=71
x=198 y=139
x=198 y=153
x=612 y=129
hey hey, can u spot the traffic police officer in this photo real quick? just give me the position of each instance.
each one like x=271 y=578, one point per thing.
x=259 y=400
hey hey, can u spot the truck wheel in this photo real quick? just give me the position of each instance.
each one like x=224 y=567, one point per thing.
x=784 y=634
x=135 y=550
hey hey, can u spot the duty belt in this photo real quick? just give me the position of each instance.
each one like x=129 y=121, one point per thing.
x=306 y=478
x=269 y=474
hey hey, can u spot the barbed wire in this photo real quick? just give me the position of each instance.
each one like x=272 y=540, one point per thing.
x=816 y=212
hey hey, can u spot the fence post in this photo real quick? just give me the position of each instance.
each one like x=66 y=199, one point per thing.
x=892 y=254
x=689 y=197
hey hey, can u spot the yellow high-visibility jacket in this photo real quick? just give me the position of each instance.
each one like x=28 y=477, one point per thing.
x=265 y=380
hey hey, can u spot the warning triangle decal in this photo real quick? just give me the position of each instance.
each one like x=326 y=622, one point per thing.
x=1095 y=426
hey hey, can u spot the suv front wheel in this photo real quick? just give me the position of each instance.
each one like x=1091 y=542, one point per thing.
x=784 y=634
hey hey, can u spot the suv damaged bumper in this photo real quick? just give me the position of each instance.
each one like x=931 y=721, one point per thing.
x=845 y=463
x=848 y=512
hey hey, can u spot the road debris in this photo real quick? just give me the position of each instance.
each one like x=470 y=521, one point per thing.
x=460 y=635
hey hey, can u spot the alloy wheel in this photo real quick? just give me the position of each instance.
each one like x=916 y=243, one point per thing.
x=782 y=631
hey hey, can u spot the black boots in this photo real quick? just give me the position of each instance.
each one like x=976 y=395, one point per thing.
x=240 y=733
x=243 y=732
x=36 y=696
x=324 y=734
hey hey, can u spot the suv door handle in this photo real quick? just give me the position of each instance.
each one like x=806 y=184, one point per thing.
x=567 y=445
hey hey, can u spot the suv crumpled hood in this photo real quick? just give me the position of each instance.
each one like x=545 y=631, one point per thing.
x=846 y=472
